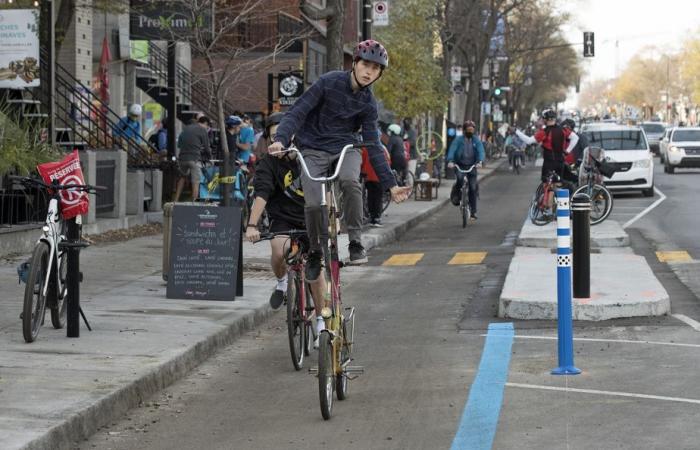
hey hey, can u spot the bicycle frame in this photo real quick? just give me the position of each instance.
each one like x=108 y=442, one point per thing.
x=52 y=237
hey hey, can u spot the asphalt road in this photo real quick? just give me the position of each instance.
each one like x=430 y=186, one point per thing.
x=420 y=338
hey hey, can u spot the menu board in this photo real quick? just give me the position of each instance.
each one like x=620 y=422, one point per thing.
x=205 y=244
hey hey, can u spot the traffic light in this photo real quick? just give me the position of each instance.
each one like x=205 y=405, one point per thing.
x=497 y=92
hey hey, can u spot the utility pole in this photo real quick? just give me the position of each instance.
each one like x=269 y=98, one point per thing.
x=366 y=19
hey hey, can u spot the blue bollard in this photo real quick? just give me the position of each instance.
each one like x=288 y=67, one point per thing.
x=564 y=316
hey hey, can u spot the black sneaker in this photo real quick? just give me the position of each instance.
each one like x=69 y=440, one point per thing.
x=473 y=216
x=276 y=299
x=357 y=254
x=376 y=223
x=313 y=266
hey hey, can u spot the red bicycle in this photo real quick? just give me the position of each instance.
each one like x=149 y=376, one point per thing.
x=300 y=311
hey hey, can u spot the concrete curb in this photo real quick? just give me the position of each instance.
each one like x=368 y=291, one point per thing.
x=88 y=421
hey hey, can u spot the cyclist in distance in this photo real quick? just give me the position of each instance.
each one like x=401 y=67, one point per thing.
x=553 y=138
x=278 y=190
x=396 y=151
x=325 y=119
x=464 y=152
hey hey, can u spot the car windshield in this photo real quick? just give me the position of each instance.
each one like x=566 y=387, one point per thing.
x=686 y=135
x=617 y=139
x=653 y=127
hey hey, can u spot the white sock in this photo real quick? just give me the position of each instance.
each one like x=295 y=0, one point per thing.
x=320 y=324
x=282 y=283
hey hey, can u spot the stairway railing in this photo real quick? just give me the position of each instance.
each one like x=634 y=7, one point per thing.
x=190 y=87
x=94 y=122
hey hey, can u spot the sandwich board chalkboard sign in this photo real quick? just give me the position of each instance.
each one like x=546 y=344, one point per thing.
x=205 y=252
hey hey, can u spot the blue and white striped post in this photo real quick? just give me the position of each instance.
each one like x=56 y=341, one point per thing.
x=565 y=320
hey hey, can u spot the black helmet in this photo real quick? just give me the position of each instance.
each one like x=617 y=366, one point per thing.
x=273 y=119
x=549 y=114
x=371 y=50
x=569 y=123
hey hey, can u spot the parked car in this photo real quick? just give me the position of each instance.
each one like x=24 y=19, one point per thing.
x=627 y=149
x=663 y=144
x=682 y=149
x=654 y=131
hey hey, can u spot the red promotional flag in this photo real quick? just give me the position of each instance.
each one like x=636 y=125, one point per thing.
x=67 y=172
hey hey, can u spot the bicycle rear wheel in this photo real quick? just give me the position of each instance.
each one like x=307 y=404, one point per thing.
x=34 y=300
x=296 y=328
x=326 y=375
x=537 y=214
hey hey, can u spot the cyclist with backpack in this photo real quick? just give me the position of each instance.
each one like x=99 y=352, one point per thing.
x=556 y=142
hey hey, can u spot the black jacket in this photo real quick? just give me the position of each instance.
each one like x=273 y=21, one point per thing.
x=397 y=154
x=277 y=181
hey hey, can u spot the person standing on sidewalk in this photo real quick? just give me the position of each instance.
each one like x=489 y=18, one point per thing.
x=278 y=191
x=374 y=189
x=194 y=151
x=323 y=120
x=464 y=152
x=397 y=152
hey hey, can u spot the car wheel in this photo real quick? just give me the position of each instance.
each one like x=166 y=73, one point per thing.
x=661 y=158
x=648 y=192
x=670 y=168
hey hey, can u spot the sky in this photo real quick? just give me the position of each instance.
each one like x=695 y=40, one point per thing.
x=634 y=24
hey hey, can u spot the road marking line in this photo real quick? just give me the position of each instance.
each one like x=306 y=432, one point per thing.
x=622 y=341
x=477 y=427
x=674 y=256
x=694 y=324
x=467 y=258
x=611 y=393
x=647 y=210
x=405 y=259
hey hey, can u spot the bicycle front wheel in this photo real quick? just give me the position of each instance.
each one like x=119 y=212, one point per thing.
x=59 y=304
x=601 y=202
x=465 y=207
x=326 y=375
x=34 y=300
x=296 y=328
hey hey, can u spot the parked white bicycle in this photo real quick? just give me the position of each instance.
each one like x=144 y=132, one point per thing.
x=46 y=272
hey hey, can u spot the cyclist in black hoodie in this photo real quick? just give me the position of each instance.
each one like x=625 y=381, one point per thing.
x=278 y=190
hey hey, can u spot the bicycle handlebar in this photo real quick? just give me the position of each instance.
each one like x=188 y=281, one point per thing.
x=80 y=187
x=458 y=169
x=293 y=148
x=271 y=235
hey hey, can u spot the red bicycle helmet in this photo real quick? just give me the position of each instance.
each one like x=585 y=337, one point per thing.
x=371 y=50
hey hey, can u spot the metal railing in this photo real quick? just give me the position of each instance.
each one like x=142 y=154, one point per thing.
x=91 y=122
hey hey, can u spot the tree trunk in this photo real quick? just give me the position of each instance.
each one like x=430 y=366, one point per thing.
x=334 y=15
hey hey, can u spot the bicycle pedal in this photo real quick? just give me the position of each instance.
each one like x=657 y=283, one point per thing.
x=354 y=370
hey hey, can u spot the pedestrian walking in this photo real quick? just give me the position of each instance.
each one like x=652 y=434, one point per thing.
x=195 y=151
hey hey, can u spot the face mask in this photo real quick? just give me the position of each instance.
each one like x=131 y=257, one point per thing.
x=469 y=134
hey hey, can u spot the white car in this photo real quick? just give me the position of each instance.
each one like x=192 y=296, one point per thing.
x=663 y=144
x=682 y=149
x=627 y=149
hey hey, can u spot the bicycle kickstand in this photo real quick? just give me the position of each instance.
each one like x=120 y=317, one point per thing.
x=82 y=314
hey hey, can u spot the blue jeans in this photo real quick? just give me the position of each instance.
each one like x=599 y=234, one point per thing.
x=472 y=190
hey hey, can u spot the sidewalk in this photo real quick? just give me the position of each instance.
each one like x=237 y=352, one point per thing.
x=57 y=390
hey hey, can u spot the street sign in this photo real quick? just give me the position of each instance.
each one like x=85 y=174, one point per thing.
x=485 y=84
x=588 y=44
x=456 y=73
x=380 y=13
x=485 y=108
x=458 y=89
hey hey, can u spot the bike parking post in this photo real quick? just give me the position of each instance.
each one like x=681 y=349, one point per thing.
x=564 y=311
x=581 y=207
x=73 y=245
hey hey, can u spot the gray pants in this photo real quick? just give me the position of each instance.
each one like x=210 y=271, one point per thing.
x=318 y=163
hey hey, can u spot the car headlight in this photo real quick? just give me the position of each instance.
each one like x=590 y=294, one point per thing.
x=642 y=163
x=673 y=148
